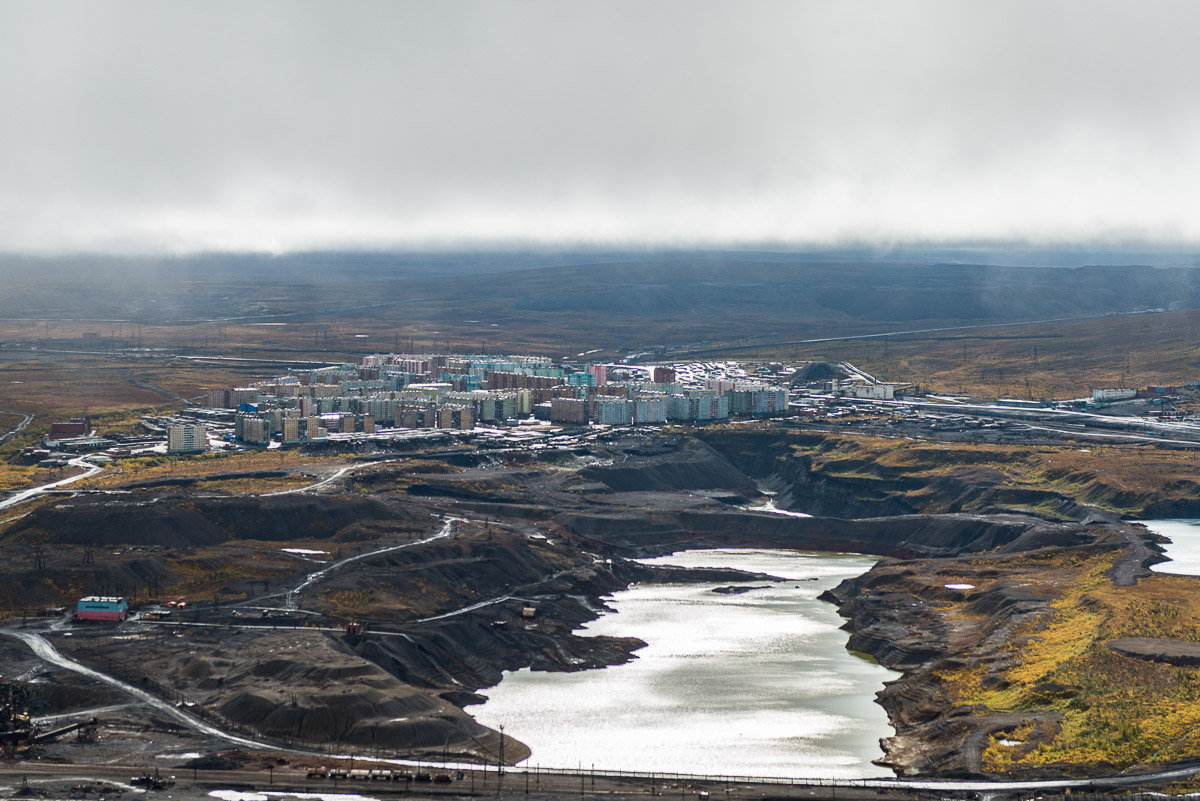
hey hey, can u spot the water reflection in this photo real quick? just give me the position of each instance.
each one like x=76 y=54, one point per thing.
x=757 y=683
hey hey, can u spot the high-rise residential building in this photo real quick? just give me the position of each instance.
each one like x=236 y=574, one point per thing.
x=254 y=429
x=291 y=429
x=663 y=375
x=187 y=439
x=232 y=398
x=648 y=411
x=523 y=400
x=568 y=410
x=613 y=411
x=325 y=391
x=697 y=406
x=757 y=400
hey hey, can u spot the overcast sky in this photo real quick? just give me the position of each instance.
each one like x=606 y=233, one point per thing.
x=181 y=126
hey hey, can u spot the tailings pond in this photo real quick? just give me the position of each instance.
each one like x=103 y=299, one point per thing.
x=756 y=683
x=1184 y=548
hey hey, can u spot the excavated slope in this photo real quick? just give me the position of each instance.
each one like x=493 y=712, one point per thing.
x=178 y=521
x=667 y=465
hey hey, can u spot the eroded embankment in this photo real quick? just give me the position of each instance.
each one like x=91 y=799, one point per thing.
x=842 y=475
x=1024 y=664
x=904 y=536
x=143 y=542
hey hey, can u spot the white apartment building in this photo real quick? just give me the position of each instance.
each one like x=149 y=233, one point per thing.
x=187 y=439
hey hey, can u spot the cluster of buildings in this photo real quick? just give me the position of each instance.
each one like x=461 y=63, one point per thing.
x=439 y=391
x=75 y=435
x=432 y=397
x=1152 y=392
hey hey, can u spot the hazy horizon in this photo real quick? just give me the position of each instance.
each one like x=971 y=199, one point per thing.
x=502 y=257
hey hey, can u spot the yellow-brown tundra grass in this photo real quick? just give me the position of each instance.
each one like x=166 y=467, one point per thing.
x=1113 y=711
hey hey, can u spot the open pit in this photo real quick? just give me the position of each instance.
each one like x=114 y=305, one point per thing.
x=434 y=581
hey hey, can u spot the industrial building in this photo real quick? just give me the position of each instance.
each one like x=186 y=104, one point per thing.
x=107 y=609
x=1115 y=394
x=877 y=391
x=76 y=427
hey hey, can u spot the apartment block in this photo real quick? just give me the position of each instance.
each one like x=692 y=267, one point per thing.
x=232 y=398
x=187 y=439
x=663 y=375
x=649 y=411
x=291 y=429
x=568 y=410
x=613 y=412
x=697 y=407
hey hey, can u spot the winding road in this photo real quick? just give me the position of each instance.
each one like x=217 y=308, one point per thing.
x=327 y=480
x=27 y=419
x=292 y=596
x=25 y=495
x=45 y=651
x=49 y=654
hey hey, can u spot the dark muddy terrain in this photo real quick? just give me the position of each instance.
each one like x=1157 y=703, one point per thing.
x=493 y=565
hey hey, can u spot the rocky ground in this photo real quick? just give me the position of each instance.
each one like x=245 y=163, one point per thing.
x=490 y=562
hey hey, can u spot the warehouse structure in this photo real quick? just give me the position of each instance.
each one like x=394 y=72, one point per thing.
x=108 y=609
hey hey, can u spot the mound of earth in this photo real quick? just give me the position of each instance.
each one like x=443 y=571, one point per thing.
x=1156 y=649
x=817 y=371
x=309 y=686
x=443 y=575
x=835 y=476
x=182 y=521
x=63 y=579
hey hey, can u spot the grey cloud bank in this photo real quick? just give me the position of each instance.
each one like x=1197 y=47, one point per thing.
x=135 y=127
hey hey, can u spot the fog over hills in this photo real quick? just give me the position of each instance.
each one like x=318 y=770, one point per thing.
x=770 y=289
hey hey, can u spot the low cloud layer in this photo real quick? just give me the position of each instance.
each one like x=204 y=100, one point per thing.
x=178 y=126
